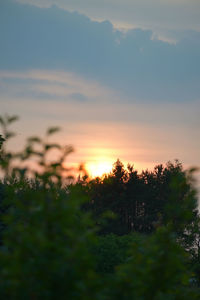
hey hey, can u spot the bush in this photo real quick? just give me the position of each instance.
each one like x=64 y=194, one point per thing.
x=50 y=249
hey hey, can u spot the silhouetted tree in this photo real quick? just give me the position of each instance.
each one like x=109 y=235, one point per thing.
x=138 y=201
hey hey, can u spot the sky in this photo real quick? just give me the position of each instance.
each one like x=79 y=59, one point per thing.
x=121 y=77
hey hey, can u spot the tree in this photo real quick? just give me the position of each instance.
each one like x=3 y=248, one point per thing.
x=140 y=201
x=46 y=241
x=156 y=270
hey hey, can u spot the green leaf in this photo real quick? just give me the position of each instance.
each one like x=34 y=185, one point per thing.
x=55 y=165
x=1 y=139
x=9 y=135
x=52 y=130
x=34 y=139
x=51 y=146
x=68 y=149
x=11 y=119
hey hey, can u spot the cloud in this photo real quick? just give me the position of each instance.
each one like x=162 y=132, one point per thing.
x=144 y=133
x=135 y=64
x=151 y=14
x=50 y=84
x=88 y=100
x=78 y=96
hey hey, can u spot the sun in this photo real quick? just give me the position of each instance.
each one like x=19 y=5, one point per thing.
x=99 y=167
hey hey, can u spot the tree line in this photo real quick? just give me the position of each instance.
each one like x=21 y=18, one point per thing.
x=126 y=235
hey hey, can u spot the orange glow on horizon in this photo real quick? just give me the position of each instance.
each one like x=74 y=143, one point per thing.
x=99 y=161
x=99 y=167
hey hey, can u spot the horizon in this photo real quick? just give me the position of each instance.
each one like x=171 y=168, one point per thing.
x=120 y=78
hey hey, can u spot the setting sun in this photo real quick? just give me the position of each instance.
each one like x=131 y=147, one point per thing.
x=99 y=167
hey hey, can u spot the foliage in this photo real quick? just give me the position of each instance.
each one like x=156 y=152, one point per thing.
x=38 y=150
x=1 y=140
x=156 y=270
x=45 y=248
x=50 y=248
x=143 y=201
x=111 y=251
x=45 y=252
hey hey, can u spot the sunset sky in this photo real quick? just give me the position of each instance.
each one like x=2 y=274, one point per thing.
x=121 y=77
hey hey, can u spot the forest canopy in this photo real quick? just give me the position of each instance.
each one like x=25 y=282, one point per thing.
x=126 y=235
